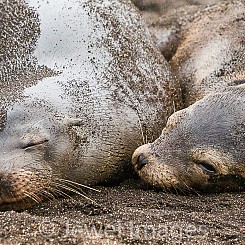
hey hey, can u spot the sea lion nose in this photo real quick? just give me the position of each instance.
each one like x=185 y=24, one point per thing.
x=141 y=161
x=140 y=157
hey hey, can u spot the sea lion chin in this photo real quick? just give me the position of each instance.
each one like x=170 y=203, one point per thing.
x=200 y=149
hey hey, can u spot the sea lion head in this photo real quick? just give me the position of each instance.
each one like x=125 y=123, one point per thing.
x=201 y=147
x=35 y=150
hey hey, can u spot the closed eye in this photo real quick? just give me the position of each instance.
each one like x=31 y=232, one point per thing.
x=34 y=143
x=206 y=167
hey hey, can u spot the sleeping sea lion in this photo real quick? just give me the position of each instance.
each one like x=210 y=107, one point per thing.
x=82 y=85
x=204 y=45
x=201 y=148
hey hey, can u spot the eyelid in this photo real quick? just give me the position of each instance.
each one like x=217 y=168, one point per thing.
x=208 y=168
x=32 y=143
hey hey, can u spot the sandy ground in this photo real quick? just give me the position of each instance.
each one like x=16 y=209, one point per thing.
x=129 y=214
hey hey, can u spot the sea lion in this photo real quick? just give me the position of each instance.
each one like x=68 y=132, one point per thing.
x=201 y=148
x=82 y=86
x=163 y=6
x=151 y=10
x=205 y=46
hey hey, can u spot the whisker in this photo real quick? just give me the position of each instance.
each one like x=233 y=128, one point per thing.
x=174 y=187
x=75 y=184
x=141 y=128
x=73 y=190
x=174 y=106
x=70 y=185
x=32 y=196
x=190 y=189
x=59 y=192
x=165 y=187
x=182 y=190
x=46 y=194
x=29 y=199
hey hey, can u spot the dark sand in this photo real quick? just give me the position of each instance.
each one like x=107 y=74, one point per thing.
x=129 y=214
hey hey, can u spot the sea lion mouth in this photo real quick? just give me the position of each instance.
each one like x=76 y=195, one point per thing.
x=17 y=204
x=24 y=189
x=159 y=176
x=20 y=189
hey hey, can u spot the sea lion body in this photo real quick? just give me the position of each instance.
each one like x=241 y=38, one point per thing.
x=211 y=55
x=80 y=92
x=204 y=45
x=201 y=148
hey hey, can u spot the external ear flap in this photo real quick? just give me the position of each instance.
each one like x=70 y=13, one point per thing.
x=73 y=122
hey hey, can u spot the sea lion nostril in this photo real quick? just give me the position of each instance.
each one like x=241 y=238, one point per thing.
x=141 y=161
